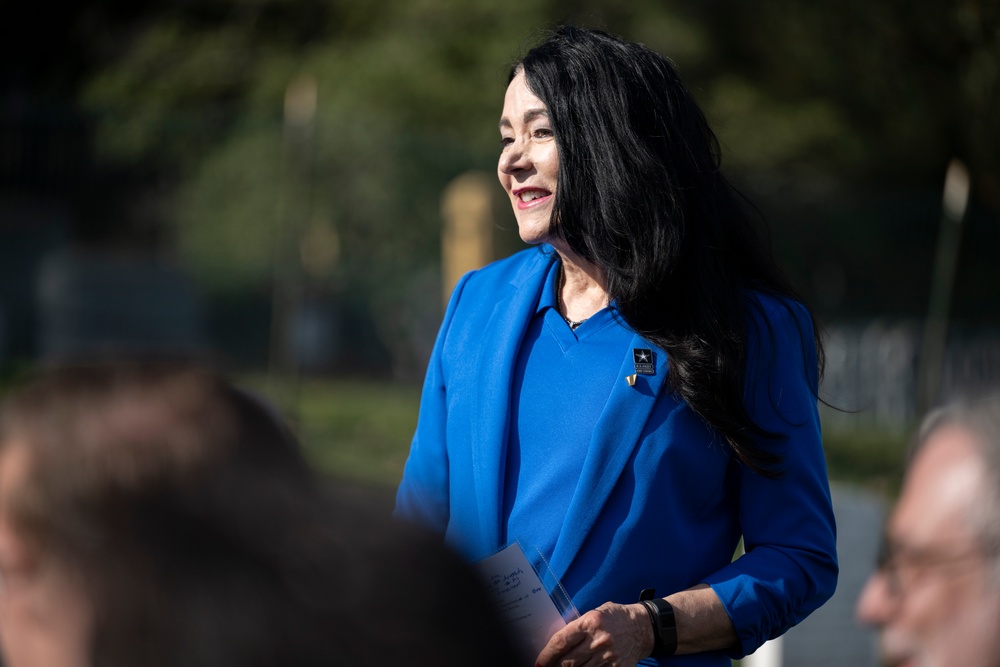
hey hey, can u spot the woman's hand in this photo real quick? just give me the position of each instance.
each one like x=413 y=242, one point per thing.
x=613 y=634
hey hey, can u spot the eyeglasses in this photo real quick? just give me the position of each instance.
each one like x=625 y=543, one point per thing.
x=904 y=565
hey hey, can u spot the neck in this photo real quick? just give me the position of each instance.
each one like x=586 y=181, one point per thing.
x=582 y=289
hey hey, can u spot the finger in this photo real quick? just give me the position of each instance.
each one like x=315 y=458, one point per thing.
x=583 y=659
x=559 y=645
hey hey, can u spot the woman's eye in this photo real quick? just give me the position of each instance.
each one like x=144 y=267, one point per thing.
x=543 y=132
x=506 y=141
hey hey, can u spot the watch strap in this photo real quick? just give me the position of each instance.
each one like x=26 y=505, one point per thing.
x=661 y=615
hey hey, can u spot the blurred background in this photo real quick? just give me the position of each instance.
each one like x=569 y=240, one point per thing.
x=290 y=186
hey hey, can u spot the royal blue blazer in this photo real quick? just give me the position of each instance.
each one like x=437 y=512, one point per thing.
x=662 y=502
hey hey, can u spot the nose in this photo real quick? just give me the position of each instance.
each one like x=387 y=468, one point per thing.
x=515 y=158
x=875 y=604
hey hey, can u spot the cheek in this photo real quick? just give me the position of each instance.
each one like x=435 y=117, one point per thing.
x=45 y=622
x=552 y=163
x=930 y=608
x=972 y=636
x=951 y=619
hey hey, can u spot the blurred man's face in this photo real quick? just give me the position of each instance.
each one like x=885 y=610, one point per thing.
x=934 y=598
x=44 y=616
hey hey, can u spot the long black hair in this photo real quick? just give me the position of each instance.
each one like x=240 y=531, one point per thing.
x=641 y=196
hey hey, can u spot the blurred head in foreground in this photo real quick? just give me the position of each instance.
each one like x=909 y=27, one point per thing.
x=935 y=596
x=152 y=514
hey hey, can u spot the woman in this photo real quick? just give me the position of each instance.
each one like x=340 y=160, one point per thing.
x=638 y=392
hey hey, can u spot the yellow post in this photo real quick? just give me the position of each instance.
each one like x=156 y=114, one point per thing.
x=467 y=237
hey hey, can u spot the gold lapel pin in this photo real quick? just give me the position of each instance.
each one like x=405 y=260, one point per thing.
x=631 y=379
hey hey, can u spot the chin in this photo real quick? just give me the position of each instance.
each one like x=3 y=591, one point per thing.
x=534 y=228
x=896 y=654
x=899 y=661
x=533 y=236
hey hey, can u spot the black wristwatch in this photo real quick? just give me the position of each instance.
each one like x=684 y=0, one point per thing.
x=661 y=615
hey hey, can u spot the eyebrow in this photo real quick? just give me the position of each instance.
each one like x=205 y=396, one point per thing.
x=529 y=115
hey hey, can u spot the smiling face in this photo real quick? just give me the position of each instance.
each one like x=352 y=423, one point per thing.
x=935 y=601
x=529 y=161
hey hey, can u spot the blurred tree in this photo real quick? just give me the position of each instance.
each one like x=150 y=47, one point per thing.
x=408 y=97
x=837 y=116
x=918 y=79
x=843 y=115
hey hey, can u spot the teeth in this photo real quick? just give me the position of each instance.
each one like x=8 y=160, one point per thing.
x=530 y=195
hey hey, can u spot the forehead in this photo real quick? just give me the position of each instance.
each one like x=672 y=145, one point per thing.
x=941 y=486
x=519 y=100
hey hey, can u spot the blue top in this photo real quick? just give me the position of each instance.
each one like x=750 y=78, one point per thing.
x=562 y=381
x=658 y=500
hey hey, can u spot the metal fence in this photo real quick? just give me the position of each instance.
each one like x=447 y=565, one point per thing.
x=872 y=368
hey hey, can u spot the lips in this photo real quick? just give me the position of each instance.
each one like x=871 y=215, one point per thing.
x=528 y=197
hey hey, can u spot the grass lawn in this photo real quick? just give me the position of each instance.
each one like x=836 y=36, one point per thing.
x=868 y=458
x=355 y=432
x=359 y=431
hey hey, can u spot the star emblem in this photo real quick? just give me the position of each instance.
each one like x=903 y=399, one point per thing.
x=643 y=358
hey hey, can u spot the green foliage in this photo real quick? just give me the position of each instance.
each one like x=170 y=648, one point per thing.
x=816 y=105
x=768 y=135
x=226 y=221
x=168 y=95
x=916 y=82
x=870 y=458
x=407 y=97
x=358 y=431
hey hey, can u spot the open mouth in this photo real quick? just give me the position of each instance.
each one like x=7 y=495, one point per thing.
x=532 y=197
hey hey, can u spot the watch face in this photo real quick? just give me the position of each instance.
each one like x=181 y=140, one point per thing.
x=666 y=615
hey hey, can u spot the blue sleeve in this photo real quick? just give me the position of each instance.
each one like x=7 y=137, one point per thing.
x=789 y=567
x=422 y=496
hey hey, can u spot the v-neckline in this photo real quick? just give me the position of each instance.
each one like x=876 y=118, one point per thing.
x=566 y=336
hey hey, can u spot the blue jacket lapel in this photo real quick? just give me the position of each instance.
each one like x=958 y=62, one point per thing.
x=616 y=436
x=501 y=341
